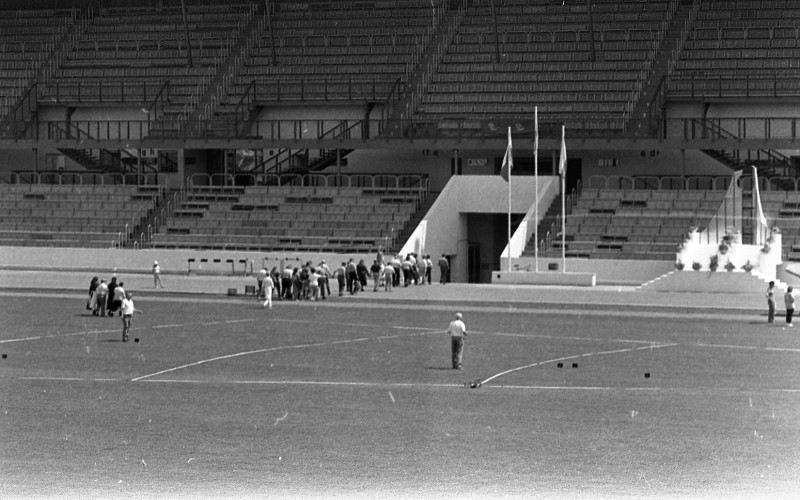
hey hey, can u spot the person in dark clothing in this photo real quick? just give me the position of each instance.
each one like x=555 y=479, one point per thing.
x=111 y=287
x=363 y=272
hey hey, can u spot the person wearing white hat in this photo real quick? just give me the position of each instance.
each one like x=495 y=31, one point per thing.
x=157 y=275
x=457 y=331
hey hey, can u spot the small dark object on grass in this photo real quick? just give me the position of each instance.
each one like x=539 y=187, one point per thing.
x=561 y=365
x=136 y=339
x=4 y=356
x=574 y=365
x=647 y=375
x=475 y=384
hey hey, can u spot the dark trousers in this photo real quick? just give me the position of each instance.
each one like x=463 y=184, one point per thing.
x=457 y=349
x=789 y=314
x=770 y=311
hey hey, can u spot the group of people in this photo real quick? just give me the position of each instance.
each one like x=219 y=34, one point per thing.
x=107 y=299
x=309 y=282
x=788 y=301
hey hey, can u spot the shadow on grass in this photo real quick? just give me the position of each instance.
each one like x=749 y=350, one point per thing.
x=448 y=368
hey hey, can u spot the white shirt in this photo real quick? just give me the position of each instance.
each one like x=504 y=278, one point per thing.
x=457 y=328
x=268 y=283
x=127 y=306
x=119 y=293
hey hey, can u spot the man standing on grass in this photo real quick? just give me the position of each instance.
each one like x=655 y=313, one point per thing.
x=269 y=285
x=457 y=331
x=127 y=309
x=789 y=300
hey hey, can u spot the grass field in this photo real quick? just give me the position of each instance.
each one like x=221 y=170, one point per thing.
x=222 y=398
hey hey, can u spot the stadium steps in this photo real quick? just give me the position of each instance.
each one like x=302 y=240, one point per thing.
x=548 y=222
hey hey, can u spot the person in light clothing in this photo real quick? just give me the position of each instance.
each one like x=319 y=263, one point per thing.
x=268 y=285
x=788 y=299
x=157 y=275
x=771 y=302
x=127 y=309
x=457 y=331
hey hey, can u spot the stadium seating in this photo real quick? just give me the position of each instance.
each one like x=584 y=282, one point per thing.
x=99 y=216
x=289 y=218
x=545 y=61
x=639 y=224
x=743 y=49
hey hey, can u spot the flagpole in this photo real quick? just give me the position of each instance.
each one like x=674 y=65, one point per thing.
x=536 y=177
x=562 y=162
x=509 y=207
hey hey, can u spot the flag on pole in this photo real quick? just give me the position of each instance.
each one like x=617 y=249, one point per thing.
x=761 y=218
x=508 y=160
x=562 y=160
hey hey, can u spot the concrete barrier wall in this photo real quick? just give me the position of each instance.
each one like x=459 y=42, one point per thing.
x=608 y=272
x=171 y=261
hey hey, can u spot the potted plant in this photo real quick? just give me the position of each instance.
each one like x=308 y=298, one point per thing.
x=713 y=263
x=696 y=266
x=679 y=266
x=729 y=266
x=747 y=267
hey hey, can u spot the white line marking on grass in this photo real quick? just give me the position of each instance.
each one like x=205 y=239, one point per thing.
x=575 y=356
x=268 y=349
x=557 y=337
x=72 y=379
x=285 y=414
x=391 y=397
x=176 y=325
x=41 y=337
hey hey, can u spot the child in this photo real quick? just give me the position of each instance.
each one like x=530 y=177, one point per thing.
x=127 y=309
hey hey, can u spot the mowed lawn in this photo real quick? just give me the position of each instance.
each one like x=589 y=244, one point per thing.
x=222 y=398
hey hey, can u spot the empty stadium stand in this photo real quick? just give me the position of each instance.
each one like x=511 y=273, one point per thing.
x=73 y=215
x=290 y=218
x=641 y=224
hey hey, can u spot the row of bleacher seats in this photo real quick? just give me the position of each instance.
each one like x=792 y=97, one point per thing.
x=288 y=218
x=72 y=215
x=741 y=40
x=634 y=224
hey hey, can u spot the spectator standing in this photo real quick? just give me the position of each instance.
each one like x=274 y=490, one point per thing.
x=422 y=270
x=91 y=302
x=375 y=269
x=397 y=265
x=325 y=275
x=788 y=298
x=341 y=277
x=157 y=275
x=457 y=331
x=102 y=298
x=444 y=269
x=428 y=268
x=269 y=286
x=119 y=296
x=110 y=301
x=313 y=284
x=407 y=271
x=389 y=276
x=286 y=282
x=260 y=276
x=126 y=311
x=771 y=302
x=352 y=276
x=363 y=273
x=275 y=274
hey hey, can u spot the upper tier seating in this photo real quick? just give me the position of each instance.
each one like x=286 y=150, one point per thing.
x=126 y=55
x=26 y=38
x=73 y=215
x=333 y=53
x=546 y=62
x=289 y=218
x=750 y=50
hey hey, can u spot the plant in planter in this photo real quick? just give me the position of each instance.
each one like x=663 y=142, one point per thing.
x=747 y=267
x=679 y=266
x=729 y=266
x=696 y=266
x=713 y=263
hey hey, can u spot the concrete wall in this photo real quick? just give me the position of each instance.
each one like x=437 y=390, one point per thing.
x=141 y=261
x=443 y=230
x=608 y=272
